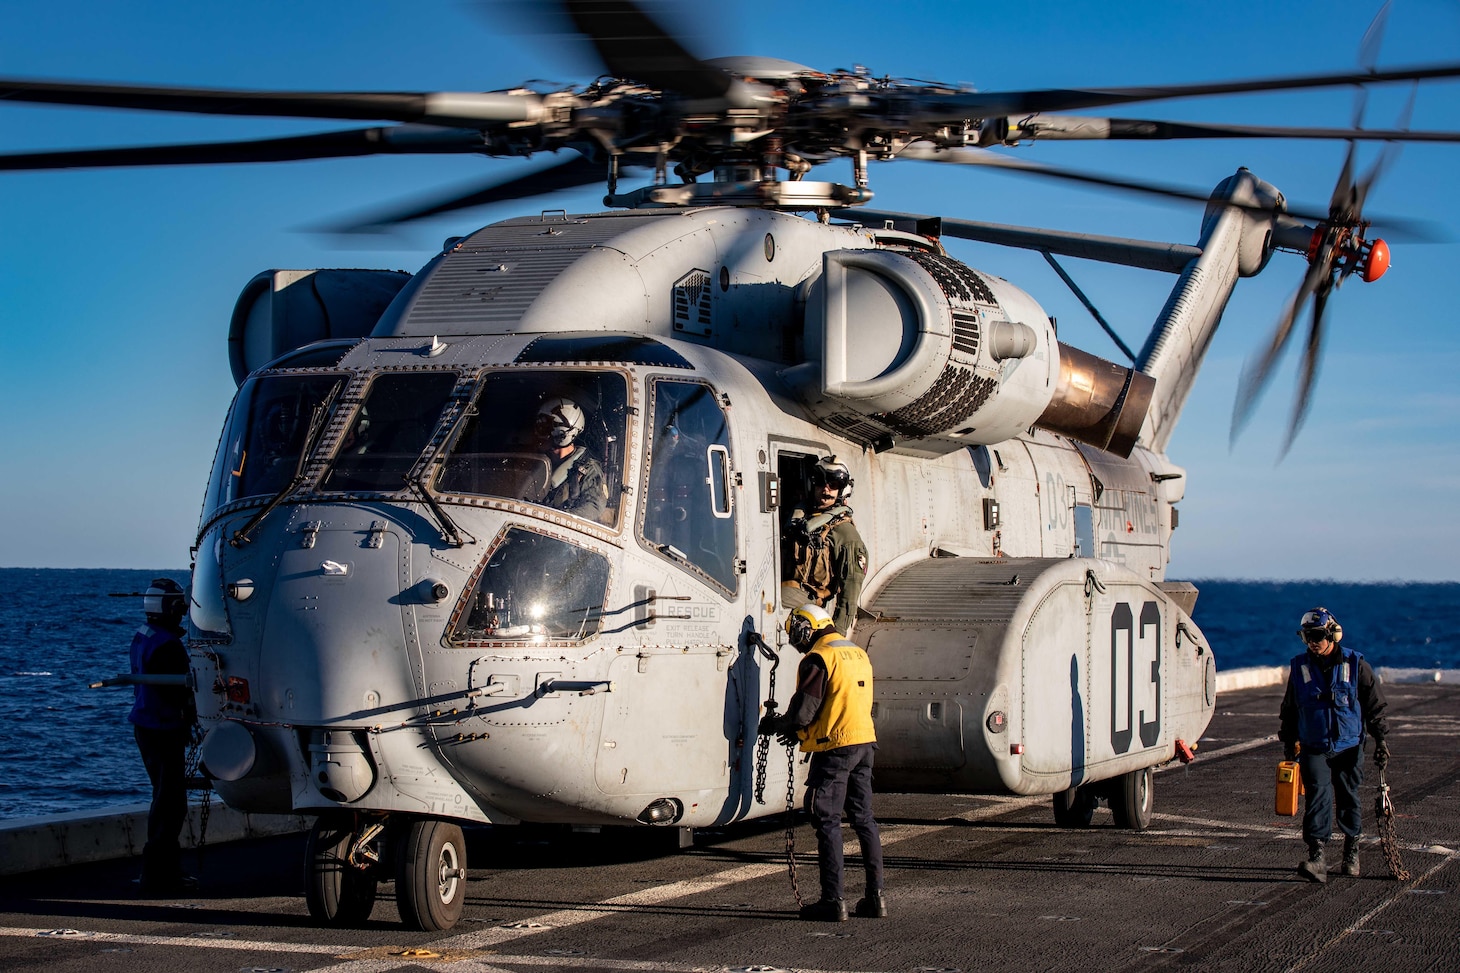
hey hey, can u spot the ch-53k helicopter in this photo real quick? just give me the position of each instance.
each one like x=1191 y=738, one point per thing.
x=395 y=628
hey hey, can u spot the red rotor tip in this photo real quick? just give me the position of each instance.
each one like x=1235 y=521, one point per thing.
x=1377 y=262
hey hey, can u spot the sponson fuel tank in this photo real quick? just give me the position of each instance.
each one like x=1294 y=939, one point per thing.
x=1029 y=675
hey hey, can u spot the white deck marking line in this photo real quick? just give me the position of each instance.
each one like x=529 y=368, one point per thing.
x=1389 y=900
x=565 y=918
x=207 y=942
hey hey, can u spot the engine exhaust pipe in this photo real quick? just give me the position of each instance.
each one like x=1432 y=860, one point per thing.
x=1098 y=402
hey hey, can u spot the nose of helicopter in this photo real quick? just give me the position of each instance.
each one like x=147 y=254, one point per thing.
x=332 y=650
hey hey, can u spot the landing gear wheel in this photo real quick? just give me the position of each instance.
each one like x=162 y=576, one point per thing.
x=1074 y=808
x=430 y=879
x=337 y=892
x=1131 y=799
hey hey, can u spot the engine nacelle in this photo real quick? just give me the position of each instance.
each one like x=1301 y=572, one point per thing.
x=915 y=351
x=281 y=310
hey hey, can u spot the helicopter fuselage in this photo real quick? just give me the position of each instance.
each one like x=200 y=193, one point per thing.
x=389 y=617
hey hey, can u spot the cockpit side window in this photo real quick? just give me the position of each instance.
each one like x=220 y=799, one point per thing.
x=265 y=434
x=688 y=510
x=553 y=437
x=533 y=588
x=388 y=432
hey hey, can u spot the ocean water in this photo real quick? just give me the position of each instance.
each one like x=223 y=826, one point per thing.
x=69 y=748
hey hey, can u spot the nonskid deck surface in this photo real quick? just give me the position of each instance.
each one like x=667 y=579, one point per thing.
x=973 y=884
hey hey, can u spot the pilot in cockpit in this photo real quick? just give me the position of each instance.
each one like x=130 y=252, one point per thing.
x=576 y=483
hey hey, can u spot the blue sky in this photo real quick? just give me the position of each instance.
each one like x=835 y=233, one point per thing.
x=116 y=287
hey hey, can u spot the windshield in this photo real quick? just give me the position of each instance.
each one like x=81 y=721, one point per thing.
x=266 y=431
x=389 y=431
x=534 y=588
x=550 y=437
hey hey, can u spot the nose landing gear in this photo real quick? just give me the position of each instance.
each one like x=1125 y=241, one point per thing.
x=347 y=854
x=430 y=875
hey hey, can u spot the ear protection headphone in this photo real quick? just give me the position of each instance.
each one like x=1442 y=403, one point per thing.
x=1320 y=619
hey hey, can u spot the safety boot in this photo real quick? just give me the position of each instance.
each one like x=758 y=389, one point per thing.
x=872 y=905
x=1314 y=869
x=827 y=910
x=1350 y=865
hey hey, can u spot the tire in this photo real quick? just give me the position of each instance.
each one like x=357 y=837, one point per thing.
x=1132 y=798
x=338 y=894
x=1074 y=808
x=430 y=880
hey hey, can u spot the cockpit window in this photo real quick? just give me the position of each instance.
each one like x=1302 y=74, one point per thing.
x=689 y=514
x=265 y=435
x=389 y=431
x=534 y=588
x=547 y=436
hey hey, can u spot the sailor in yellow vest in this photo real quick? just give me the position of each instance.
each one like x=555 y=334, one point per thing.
x=830 y=716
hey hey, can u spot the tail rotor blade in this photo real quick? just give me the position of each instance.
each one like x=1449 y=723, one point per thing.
x=1257 y=372
x=1308 y=370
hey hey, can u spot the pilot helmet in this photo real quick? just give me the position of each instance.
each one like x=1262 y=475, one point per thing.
x=1318 y=624
x=830 y=471
x=805 y=624
x=165 y=597
x=559 y=421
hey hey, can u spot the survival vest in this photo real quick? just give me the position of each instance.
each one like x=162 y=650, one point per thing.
x=808 y=556
x=1329 y=719
x=845 y=717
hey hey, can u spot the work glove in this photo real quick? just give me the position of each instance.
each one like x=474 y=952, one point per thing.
x=1381 y=753
x=1290 y=751
x=769 y=724
x=787 y=738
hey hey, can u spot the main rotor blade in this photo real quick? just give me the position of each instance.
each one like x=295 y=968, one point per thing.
x=953 y=108
x=632 y=46
x=1087 y=127
x=1169 y=258
x=1257 y=372
x=401 y=139
x=1308 y=370
x=440 y=107
x=568 y=173
x=1398 y=228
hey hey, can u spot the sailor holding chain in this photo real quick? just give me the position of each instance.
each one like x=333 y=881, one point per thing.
x=1332 y=698
x=830 y=717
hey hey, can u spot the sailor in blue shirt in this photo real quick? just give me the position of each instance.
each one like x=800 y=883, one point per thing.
x=1331 y=701
x=162 y=720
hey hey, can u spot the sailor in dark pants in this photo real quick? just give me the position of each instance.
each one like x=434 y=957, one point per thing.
x=831 y=717
x=1332 y=700
x=162 y=719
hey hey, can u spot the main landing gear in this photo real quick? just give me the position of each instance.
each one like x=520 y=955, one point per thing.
x=348 y=854
x=1131 y=797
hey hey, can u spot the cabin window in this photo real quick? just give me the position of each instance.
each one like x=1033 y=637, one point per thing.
x=689 y=510
x=533 y=588
x=266 y=432
x=389 y=431
x=550 y=437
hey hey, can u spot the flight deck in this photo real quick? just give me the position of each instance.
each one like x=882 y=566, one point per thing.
x=972 y=883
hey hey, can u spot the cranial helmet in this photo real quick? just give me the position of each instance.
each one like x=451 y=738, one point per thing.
x=560 y=421
x=165 y=597
x=830 y=471
x=804 y=624
x=1320 y=620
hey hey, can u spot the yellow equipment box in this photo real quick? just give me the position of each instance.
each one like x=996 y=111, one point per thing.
x=1289 y=786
